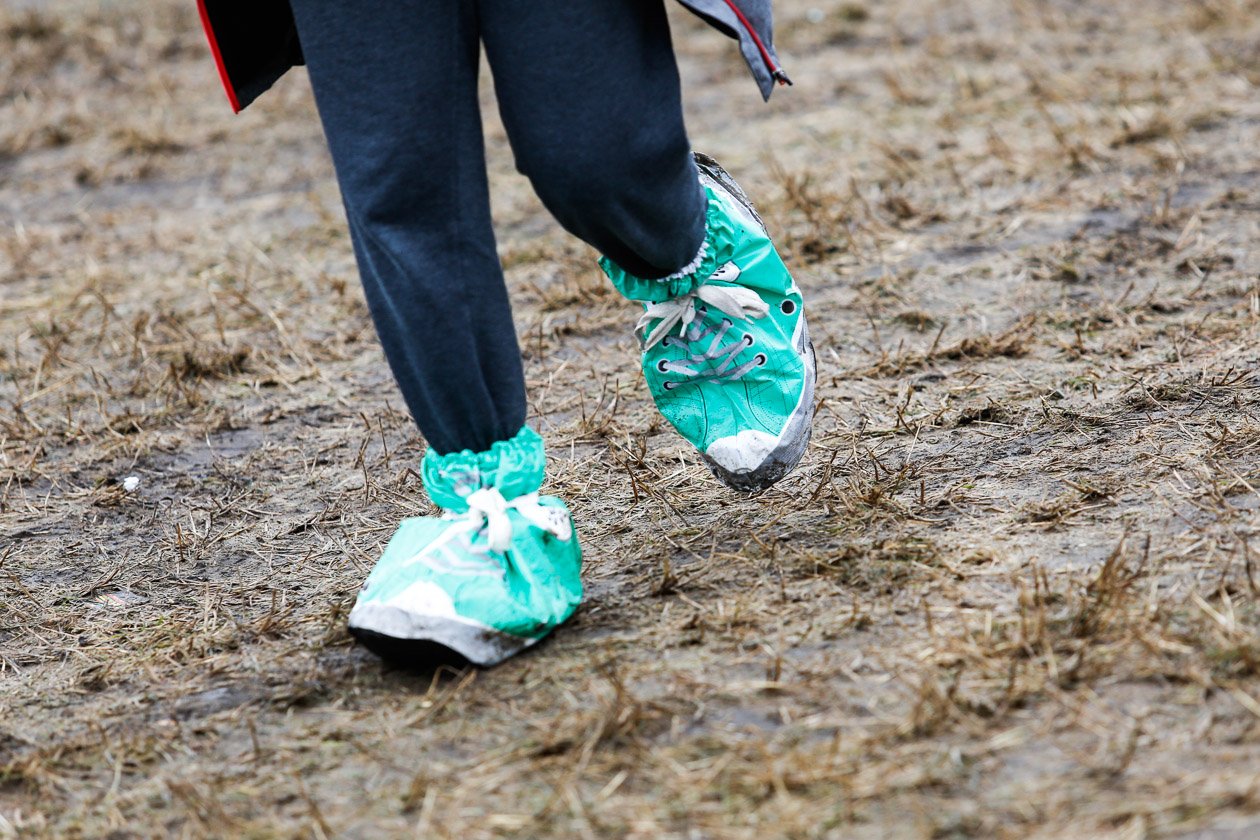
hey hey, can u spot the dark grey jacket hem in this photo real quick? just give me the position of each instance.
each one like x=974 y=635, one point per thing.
x=255 y=44
x=755 y=34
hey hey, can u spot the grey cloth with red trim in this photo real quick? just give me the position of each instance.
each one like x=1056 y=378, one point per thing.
x=255 y=43
x=750 y=21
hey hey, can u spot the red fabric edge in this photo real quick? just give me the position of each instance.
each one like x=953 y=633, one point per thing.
x=774 y=69
x=218 y=57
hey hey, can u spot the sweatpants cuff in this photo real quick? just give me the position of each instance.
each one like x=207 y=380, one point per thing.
x=716 y=250
x=514 y=467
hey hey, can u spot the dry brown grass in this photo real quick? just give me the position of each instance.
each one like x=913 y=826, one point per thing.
x=1011 y=593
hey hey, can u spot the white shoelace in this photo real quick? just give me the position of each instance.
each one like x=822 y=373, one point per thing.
x=487 y=508
x=736 y=301
x=712 y=363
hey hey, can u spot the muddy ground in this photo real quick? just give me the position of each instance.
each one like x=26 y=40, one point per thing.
x=1010 y=593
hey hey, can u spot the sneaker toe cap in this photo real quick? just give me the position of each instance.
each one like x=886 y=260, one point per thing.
x=742 y=452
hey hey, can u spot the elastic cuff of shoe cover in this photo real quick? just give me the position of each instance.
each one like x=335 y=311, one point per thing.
x=717 y=250
x=515 y=467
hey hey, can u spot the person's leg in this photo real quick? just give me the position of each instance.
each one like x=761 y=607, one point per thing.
x=396 y=87
x=590 y=97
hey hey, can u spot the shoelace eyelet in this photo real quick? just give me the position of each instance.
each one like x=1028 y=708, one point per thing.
x=787 y=307
x=760 y=359
x=749 y=340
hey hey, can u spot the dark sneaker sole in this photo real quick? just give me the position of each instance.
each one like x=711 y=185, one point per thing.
x=413 y=654
x=711 y=168
x=402 y=636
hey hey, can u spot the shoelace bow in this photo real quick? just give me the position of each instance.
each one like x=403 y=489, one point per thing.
x=736 y=301
x=487 y=508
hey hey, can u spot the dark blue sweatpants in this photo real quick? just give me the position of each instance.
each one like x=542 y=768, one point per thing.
x=589 y=94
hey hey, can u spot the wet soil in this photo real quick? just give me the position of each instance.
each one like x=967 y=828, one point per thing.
x=1009 y=593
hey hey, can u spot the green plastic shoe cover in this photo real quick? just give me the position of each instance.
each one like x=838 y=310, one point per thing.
x=726 y=349
x=495 y=573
